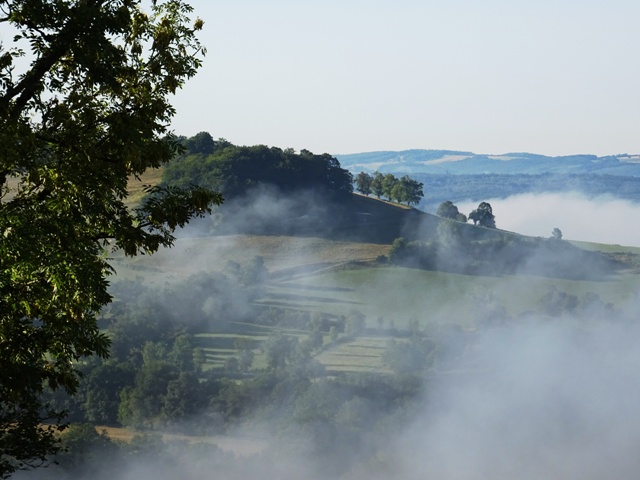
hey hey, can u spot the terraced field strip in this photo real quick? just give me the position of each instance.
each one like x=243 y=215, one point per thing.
x=237 y=444
x=220 y=346
x=303 y=295
x=363 y=354
x=606 y=248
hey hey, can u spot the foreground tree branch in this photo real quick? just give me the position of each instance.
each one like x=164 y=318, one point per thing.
x=90 y=111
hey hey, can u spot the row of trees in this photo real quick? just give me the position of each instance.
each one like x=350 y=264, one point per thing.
x=336 y=423
x=404 y=189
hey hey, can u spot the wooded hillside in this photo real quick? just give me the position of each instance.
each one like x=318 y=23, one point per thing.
x=233 y=170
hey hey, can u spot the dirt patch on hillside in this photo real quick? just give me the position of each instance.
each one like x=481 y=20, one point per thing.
x=190 y=255
x=238 y=445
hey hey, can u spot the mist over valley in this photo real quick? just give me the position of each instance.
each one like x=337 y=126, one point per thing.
x=299 y=333
x=181 y=306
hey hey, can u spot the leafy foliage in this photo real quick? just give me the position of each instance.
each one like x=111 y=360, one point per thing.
x=410 y=357
x=363 y=183
x=401 y=190
x=89 y=111
x=376 y=184
x=556 y=234
x=234 y=169
x=449 y=210
x=483 y=216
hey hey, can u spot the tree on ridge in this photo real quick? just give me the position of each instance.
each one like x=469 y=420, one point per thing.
x=483 y=216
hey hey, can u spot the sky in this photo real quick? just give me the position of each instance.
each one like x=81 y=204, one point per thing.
x=553 y=77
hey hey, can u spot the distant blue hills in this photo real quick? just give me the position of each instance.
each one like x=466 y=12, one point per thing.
x=468 y=163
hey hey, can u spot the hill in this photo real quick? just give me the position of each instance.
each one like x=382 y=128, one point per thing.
x=361 y=219
x=458 y=176
x=439 y=188
x=234 y=170
x=301 y=303
x=304 y=313
x=468 y=163
x=310 y=278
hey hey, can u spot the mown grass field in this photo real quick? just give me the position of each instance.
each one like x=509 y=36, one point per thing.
x=361 y=355
x=283 y=256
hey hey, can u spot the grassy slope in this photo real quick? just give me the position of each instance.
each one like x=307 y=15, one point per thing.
x=238 y=445
x=136 y=186
x=335 y=276
x=315 y=274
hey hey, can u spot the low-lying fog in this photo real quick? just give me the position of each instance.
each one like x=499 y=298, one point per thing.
x=537 y=398
x=544 y=401
x=603 y=219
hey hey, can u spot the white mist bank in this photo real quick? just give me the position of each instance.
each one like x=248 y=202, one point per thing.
x=542 y=402
x=603 y=219
x=528 y=398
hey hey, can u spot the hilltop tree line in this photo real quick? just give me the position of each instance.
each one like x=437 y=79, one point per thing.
x=409 y=191
x=402 y=190
x=233 y=170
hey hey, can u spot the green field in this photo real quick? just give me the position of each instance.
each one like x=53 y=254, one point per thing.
x=284 y=256
x=362 y=355
x=219 y=346
x=335 y=278
x=433 y=297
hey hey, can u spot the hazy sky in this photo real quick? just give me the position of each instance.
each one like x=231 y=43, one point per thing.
x=546 y=76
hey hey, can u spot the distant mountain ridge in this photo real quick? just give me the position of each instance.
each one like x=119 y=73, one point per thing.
x=469 y=163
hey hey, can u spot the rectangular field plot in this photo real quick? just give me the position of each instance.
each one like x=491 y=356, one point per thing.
x=361 y=355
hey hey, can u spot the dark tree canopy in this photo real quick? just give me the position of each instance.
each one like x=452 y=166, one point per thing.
x=388 y=182
x=411 y=190
x=86 y=110
x=363 y=183
x=233 y=170
x=201 y=142
x=483 y=216
x=447 y=210
x=376 y=184
x=401 y=190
